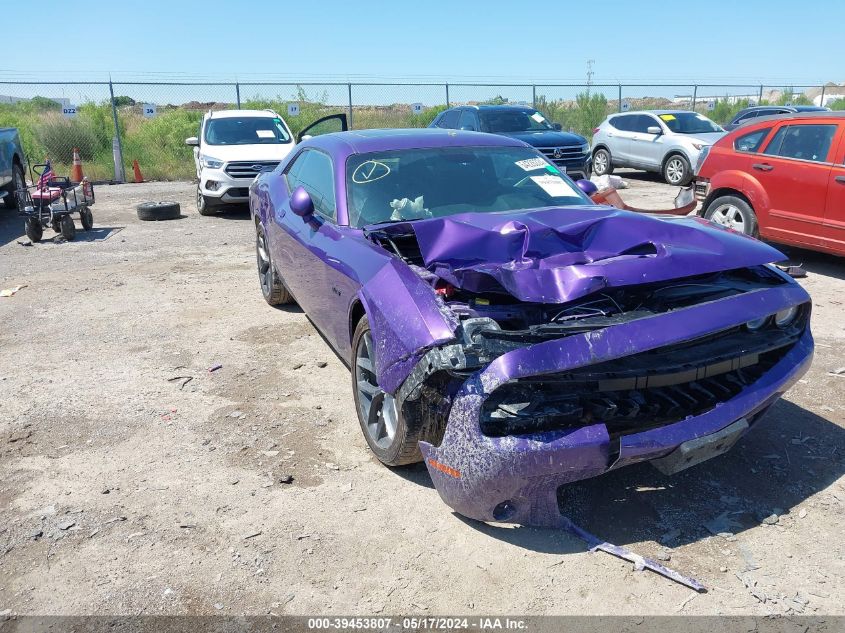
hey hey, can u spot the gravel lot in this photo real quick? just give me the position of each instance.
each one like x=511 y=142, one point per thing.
x=134 y=480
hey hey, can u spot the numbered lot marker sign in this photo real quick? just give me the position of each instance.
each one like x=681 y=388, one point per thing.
x=149 y=110
x=626 y=105
x=69 y=111
x=293 y=109
x=711 y=105
x=416 y=108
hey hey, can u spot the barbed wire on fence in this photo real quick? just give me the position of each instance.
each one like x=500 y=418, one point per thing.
x=114 y=123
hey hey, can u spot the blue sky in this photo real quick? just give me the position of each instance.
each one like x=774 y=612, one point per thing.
x=715 y=41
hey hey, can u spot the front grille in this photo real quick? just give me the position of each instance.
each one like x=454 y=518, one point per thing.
x=250 y=169
x=564 y=154
x=625 y=399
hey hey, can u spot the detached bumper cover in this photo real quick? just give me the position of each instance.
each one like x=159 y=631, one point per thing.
x=515 y=478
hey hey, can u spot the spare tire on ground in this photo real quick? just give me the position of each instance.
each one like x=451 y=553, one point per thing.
x=159 y=211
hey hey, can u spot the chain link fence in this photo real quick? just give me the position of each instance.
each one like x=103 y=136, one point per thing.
x=114 y=124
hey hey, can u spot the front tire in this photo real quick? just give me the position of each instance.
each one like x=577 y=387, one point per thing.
x=388 y=434
x=204 y=207
x=272 y=288
x=34 y=230
x=68 y=227
x=18 y=184
x=602 y=162
x=677 y=170
x=734 y=213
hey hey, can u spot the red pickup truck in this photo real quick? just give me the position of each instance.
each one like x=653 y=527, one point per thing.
x=781 y=178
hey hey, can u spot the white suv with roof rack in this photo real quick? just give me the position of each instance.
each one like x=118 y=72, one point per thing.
x=232 y=148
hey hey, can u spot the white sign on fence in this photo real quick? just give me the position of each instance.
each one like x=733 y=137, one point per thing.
x=788 y=104
x=149 y=110
x=751 y=103
x=626 y=105
x=69 y=111
x=293 y=109
x=416 y=108
x=711 y=105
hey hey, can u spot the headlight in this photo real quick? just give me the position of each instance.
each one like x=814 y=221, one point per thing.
x=785 y=317
x=211 y=163
x=757 y=324
x=700 y=146
x=705 y=151
x=585 y=148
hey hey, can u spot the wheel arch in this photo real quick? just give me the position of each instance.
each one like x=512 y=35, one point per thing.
x=675 y=151
x=356 y=313
x=744 y=185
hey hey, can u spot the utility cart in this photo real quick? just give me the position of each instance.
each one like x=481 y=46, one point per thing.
x=52 y=201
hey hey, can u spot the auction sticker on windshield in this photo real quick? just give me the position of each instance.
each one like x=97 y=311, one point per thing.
x=667 y=117
x=538 y=117
x=530 y=164
x=554 y=186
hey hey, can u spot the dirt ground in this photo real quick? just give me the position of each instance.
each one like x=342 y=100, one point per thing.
x=133 y=480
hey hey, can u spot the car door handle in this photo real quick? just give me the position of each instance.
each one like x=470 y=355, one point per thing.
x=762 y=167
x=840 y=180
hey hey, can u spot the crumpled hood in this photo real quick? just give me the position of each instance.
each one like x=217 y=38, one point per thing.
x=559 y=254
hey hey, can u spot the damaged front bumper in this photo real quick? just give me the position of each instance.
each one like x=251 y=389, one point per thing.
x=514 y=477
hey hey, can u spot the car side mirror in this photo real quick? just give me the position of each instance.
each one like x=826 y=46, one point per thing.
x=557 y=126
x=654 y=129
x=192 y=141
x=301 y=203
x=587 y=186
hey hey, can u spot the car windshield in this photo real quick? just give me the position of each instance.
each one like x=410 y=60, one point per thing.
x=507 y=121
x=689 y=123
x=246 y=131
x=394 y=186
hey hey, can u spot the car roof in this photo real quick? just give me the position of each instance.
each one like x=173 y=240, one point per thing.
x=342 y=144
x=498 y=108
x=797 y=116
x=657 y=112
x=230 y=114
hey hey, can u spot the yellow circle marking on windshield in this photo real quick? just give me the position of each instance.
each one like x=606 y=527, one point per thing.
x=370 y=171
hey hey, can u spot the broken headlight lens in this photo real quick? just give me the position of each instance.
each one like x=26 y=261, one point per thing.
x=786 y=317
x=757 y=324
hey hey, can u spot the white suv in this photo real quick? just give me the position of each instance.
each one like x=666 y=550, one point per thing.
x=665 y=141
x=232 y=148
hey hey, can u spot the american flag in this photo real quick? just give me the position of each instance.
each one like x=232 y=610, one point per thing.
x=47 y=175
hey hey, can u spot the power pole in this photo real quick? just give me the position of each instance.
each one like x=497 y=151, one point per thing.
x=590 y=74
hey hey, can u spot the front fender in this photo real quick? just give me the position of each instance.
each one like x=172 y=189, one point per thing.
x=746 y=184
x=406 y=319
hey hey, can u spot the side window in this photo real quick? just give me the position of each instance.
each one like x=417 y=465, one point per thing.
x=751 y=142
x=746 y=116
x=313 y=170
x=805 y=142
x=623 y=122
x=292 y=172
x=641 y=123
x=449 y=119
x=467 y=120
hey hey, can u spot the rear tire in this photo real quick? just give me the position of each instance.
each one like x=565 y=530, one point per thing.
x=602 y=162
x=388 y=435
x=272 y=288
x=677 y=170
x=68 y=227
x=734 y=213
x=34 y=231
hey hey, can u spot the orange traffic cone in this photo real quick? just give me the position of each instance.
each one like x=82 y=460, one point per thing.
x=76 y=171
x=139 y=177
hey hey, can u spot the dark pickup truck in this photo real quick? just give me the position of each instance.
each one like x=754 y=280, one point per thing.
x=12 y=163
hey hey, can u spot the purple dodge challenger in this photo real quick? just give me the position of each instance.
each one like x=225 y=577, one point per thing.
x=510 y=333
